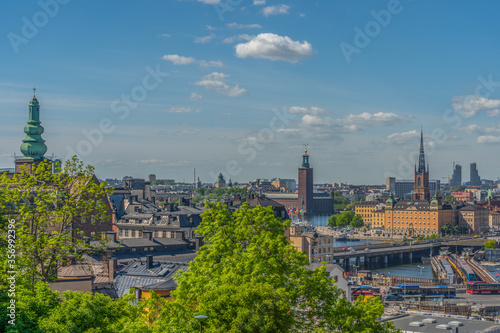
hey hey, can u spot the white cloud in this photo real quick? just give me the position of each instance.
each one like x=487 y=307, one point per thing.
x=274 y=47
x=211 y=63
x=195 y=96
x=204 y=39
x=476 y=129
x=165 y=35
x=209 y=27
x=310 y=120
x=374 y=119
x=488 y=139
x=230 y=40
x=151 y=161
x=404 y=137
x=313 y=110
x=350 y=123
x=235 y=25
x=181 y=109
x=259 y=2
x=470 y=105
x=178 y=60
x=280 y=9
x=225 y=113
x=217 y=81
x=210 y=2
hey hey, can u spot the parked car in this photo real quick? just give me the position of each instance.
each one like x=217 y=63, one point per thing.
x=367 y=249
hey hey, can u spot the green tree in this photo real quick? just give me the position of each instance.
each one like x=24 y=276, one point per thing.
x=457 y=230
x=248 y=278
x=449 y=197
x=446 y=229
x=490 y=244
x=50 y=211
x=94 y=312
x=344 y=219
x=332 y=221
x=357 y=222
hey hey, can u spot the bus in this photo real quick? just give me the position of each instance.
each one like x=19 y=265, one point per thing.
x=414 y=289
x=483 y=288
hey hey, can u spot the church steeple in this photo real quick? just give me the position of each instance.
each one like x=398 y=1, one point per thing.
x=33 y=145
x=421 y=156
x=421 y=185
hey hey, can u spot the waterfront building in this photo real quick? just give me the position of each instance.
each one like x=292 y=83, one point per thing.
x=372 y=213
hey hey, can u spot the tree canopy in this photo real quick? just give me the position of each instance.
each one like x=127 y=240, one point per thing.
x=249 y=278
x=490 y=244
x=50 y=211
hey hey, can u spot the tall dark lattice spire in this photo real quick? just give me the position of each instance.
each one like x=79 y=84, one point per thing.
x=421 y=157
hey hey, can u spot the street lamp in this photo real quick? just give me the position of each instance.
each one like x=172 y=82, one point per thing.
x=200 y=318
x=421 y=268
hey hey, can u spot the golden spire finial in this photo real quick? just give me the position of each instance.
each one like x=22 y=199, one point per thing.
x=305 y=149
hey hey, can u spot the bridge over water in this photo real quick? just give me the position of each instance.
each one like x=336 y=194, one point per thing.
x=373 y=256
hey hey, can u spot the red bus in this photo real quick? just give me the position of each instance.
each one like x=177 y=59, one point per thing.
x=483 y=288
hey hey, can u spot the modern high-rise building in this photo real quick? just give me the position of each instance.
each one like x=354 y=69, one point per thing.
x=456 y=178
x=475 y=180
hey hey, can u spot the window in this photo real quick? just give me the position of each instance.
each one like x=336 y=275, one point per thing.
x=164 y=234
x=133 y=233
x=140 y=233
x=121 y=233
x=126 y=233
x=155 y=234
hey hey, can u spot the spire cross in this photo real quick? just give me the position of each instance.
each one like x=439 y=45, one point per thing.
x=34 y=90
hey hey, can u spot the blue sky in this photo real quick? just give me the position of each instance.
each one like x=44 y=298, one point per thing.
x=240 y=86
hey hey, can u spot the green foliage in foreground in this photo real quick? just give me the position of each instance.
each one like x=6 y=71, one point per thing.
x=246 y=278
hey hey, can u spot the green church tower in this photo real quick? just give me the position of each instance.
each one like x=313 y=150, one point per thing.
x=33 y=145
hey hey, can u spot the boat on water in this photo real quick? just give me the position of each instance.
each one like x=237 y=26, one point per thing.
x=342 y=238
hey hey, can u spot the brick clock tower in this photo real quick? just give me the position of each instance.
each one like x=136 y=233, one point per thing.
x=421 y=186
x=305 y=197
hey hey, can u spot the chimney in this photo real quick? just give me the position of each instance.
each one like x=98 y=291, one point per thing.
x=138 y=293
x=149 y=261
x=112 y=265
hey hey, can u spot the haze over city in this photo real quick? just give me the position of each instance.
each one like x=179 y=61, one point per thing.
x=239 y=86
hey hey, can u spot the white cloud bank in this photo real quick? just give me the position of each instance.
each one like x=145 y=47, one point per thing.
x=274 y=47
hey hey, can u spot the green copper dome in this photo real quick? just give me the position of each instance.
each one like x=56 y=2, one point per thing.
x=221 y=179
x=390 y=201
x=33 y=145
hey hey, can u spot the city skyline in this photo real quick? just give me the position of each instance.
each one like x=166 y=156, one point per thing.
x=239 y=88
